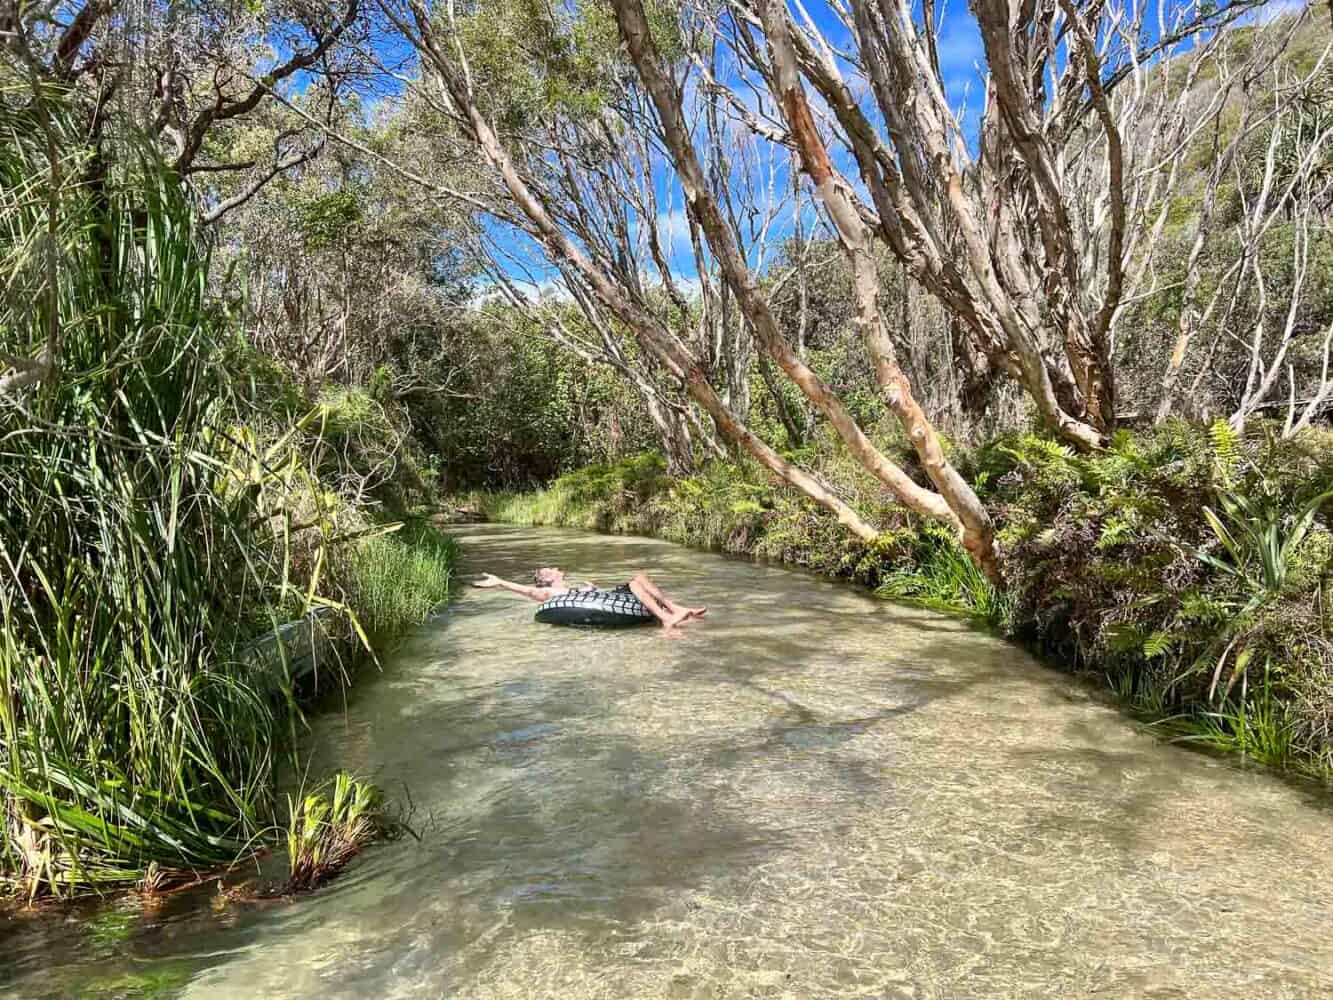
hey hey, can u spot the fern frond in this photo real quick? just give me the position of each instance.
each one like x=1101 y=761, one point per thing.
x=1156 y=645
x=1225 y=442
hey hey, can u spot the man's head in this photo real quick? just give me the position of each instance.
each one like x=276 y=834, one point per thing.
x=548 y=576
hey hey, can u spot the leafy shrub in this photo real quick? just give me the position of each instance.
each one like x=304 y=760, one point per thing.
x=1179 y=562
x=153 y=521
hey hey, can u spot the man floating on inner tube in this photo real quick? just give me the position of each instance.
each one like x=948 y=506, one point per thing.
x=548 y=583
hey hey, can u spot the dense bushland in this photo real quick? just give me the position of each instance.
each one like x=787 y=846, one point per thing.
x=157 y=514
x=1187 y=566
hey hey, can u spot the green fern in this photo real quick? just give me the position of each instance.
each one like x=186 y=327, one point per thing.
x=1199 y=607
x=1157 y=644
x=1034 y=450
x=1123 y=637
x=1114 y=531
x=1225 y=441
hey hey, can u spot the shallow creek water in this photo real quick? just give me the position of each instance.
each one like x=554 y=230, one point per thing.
x=810 y=794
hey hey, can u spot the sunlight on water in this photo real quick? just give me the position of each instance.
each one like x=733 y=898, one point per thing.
x=811 y=794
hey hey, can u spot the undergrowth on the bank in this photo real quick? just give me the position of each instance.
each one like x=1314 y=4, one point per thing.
x=154 y=520
x=130 y=732
x=396 y=579
x=1187 y=565
x=329 y=826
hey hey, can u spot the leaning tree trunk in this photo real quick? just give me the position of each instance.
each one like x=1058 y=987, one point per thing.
x=651 y=334
x=674 y=435
x=669 y=102
x=978 y=535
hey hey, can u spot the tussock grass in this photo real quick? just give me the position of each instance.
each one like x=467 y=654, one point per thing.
x=395 y=580
x=328 y=827
x=146 y=537
x=1256 y=727
x=941 y=576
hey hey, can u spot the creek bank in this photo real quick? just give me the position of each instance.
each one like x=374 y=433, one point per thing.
x=294 y=651
x=1185 y=565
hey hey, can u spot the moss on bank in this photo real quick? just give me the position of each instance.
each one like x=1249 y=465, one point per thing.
x=1188 y=566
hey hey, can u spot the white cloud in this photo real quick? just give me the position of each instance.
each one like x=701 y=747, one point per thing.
x=691 y=287
x=548 y=290
x=674 y=227
x=488 y=292
x=1275 y=9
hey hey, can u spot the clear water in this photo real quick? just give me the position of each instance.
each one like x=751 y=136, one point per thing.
x=811 y=794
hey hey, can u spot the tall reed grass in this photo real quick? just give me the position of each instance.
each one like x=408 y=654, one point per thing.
x=139 y=544
x=396 y=579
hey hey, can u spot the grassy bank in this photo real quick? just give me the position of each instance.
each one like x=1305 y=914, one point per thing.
x=392 y=581
x=1187 y=566
x=158 y=512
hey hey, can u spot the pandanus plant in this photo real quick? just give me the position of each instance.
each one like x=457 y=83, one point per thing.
x=138 y=547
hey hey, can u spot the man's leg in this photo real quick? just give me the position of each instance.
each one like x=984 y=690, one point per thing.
x=642 y=581
x=665 y=612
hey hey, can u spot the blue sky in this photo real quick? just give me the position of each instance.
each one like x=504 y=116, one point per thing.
x=961 y=53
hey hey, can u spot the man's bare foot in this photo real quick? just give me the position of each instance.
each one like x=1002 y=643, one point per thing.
x=695 y=612
x=669 y=623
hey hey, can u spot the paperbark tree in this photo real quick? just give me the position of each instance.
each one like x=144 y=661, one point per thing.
x=835 y=194
x=994 y=234
x=669 y=102
x=1233 y=120
x=534 y=211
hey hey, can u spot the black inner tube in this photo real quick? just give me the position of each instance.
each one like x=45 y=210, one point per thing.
x=617 y=608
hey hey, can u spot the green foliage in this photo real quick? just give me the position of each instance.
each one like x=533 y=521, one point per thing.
x=1258 y=539
x=518 y=409
x=150 y=529
x=528 y=60
x=395 y=580
x=129 y=731
x=531 y=61
x=1226 y=450
x=157 y=983
x=328 y=220
x=1157 y=644
x=1171 y=561
x=329 y=826
x=938 y=573
x=1257 y=728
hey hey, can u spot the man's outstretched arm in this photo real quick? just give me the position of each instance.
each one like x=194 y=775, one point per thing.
x=531 y=593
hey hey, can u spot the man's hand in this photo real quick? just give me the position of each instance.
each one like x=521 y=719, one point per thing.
x=487 y=581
